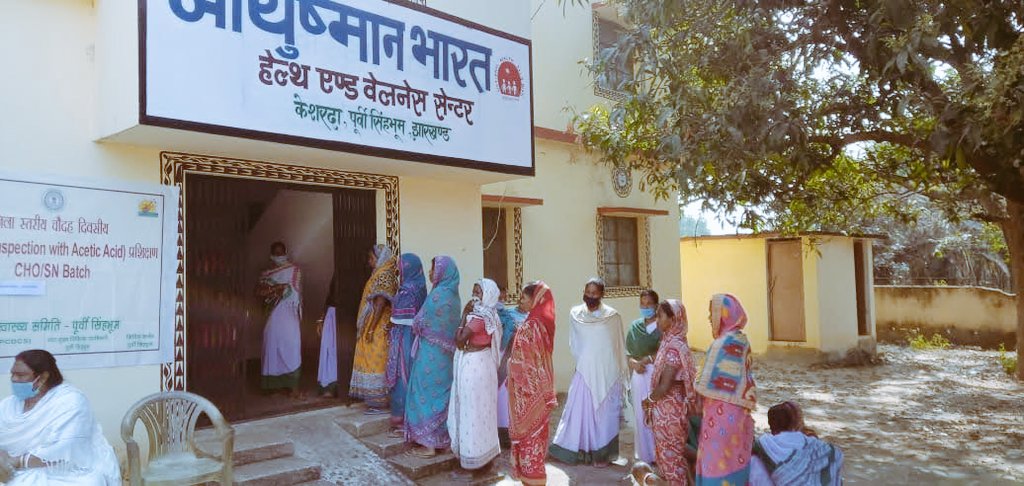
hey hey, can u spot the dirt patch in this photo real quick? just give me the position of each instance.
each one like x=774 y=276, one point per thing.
x=920 y=417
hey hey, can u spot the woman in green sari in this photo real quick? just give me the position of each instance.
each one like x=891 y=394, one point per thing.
x=641 y=346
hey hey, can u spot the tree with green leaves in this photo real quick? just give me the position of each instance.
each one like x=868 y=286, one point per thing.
x=800 y=115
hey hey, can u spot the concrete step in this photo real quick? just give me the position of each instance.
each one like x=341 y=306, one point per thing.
x=417 y=467
x=360 y=425
x=282 y=471
x=250 y=447
x=318 y=482
x=385 y=446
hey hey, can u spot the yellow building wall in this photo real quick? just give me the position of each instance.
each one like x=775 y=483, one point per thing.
x=444 y=218
x=560 y=237
x=730 y=265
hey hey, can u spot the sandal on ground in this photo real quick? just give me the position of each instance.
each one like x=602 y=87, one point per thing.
x=396 y=433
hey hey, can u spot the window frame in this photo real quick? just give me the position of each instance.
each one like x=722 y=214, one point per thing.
x=643 y=243
x=513 y=217
x=602 y=91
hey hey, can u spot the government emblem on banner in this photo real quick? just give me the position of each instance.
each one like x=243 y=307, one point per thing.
x=147 y=208
x=53 y=199
x=510 y=79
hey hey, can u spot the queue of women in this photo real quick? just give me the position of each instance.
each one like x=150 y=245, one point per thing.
x=451 y=376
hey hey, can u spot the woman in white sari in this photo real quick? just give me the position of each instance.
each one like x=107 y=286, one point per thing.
x=473 y=408
x=48 y=435
x=281 y=289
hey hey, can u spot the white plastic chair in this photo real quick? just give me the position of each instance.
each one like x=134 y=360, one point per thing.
x=174 y=459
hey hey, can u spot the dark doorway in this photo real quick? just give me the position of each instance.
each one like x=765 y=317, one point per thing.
x=230 y=223
x=495 y=245
x=862 y=286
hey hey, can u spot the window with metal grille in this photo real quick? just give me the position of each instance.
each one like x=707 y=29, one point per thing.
x=606 y=34
x=621 y=260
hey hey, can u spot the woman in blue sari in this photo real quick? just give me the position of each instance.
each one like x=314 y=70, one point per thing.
x=407 y=303
x=430 y=377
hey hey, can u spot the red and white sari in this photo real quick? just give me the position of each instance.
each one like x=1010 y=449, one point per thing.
x=531 y=385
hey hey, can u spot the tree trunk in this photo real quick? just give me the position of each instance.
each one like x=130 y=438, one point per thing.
x=1013 y=231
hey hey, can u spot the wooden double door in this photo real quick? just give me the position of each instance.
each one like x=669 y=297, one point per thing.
x=225 y=321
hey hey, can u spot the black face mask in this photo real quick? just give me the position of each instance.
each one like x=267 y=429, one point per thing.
x=591 y=301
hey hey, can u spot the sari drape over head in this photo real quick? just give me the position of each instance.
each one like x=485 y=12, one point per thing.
x=61 y=431
x=430 y=378
x=371 y=357
x=407 y=302
x=531 y=386
x=282 y=334
x=472 y=411
x=668 y=418
x=727 y=387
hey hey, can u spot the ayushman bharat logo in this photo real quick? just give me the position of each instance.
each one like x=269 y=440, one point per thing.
x=510 y=79
x=147 y=208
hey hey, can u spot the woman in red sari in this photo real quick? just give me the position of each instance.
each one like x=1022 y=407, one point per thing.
x=531 y=385
x=673 y=396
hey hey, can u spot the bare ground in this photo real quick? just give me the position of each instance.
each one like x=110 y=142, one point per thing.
x=924 y=417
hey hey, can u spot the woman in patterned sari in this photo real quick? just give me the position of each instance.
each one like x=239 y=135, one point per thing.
x=372 y=327
x=531 y=385
x=407 y=303
x=672 y=395
x=729 y=394
x=430 y=376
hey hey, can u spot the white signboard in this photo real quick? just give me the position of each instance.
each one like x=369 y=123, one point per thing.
x=368 y=76
x=87 y=271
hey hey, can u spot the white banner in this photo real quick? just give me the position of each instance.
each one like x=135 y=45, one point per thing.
x=87 y=271
x=365 y=76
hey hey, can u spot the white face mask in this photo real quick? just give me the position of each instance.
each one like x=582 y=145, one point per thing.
x=280 y=260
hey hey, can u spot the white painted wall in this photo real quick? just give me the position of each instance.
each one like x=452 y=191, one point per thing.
x=837 y=318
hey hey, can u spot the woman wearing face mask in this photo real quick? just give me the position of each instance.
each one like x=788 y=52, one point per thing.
x=280 y=288
x=641 y=346
x=588 y=431
x=48 y=435
x=472 y=414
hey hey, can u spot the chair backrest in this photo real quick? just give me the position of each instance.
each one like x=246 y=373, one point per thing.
x=170 y=421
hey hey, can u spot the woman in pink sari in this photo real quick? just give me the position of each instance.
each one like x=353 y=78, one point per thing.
x=531 y=386
x=672 y=395
x=729 y=393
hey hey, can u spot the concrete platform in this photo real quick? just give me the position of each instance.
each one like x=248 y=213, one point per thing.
x=283 y=471
x=250 y=446
x=417 y=467
x=360 y=425
x=385 y=446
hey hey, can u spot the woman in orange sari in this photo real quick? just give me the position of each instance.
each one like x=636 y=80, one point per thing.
x=531 y=385
x=372 y=327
